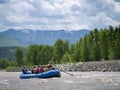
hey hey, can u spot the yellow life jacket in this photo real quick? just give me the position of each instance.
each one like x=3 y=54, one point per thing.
x=46 y=69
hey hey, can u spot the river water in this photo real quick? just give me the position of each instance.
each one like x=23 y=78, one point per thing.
x=79 y=81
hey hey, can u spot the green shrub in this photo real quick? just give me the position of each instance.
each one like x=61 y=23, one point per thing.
x=10 y=68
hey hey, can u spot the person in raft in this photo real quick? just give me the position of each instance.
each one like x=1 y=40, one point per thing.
x=40 y=69
x=34 y=70
x=24 y=70
x=50 y=66
x=46 y=68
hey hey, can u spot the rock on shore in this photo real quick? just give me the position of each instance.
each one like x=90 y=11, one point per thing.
x=104 y=66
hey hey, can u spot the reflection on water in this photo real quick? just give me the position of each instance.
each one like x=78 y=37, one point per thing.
x=80 y=81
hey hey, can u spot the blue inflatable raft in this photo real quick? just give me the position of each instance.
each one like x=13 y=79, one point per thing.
x=48 y=74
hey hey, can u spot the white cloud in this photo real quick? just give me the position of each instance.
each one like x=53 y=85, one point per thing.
x=117 y=7
x=101 y=20
x=59 y=14
x=22 y=6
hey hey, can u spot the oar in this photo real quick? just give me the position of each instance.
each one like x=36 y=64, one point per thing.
x=65 y=72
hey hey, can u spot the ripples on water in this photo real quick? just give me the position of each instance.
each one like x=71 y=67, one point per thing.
x=80 y=81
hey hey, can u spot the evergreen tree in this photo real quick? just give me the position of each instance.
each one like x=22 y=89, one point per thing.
x=76 y=56
x=71 y=52
x=72 y=49
x=4 y=63
x=19 y=57
x=97 y=52
x=104 y=44
x=31 y=55
x=45 y=55
x=116 y=43
x=66 y=58
x=111 y=42
x=59 y=50
x=91 y=45
x=86 y=50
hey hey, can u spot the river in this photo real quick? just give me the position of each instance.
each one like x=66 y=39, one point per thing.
x=79 y=81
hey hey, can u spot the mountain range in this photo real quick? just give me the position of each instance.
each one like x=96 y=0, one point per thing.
x=25 y=37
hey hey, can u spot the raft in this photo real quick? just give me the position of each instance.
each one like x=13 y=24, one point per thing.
x=47 y=74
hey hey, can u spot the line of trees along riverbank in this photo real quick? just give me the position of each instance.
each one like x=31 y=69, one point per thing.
x=103 y=44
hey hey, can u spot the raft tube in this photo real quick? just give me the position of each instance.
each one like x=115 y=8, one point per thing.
x=47 y=74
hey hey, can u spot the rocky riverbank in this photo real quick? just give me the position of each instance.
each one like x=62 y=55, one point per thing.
x=103 y=66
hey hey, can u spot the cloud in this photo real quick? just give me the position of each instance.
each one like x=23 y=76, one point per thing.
x=59 y=14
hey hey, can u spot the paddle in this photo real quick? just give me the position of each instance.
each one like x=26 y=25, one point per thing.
x=65 y=72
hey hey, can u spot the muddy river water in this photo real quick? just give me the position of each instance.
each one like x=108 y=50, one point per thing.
x=79 y=81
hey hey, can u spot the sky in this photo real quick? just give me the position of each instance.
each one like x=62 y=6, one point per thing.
x=59 y=14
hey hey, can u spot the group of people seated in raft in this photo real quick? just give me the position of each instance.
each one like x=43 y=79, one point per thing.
x=39 y=69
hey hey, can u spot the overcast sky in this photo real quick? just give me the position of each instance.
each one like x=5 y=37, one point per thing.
x=58 y=14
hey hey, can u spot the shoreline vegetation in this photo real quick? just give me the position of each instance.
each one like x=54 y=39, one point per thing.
x=102 y=66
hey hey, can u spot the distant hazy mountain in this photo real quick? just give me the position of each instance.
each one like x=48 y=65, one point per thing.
x=5 y=41
x=26 y=37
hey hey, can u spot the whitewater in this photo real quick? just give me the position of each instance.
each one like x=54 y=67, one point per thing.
x=79 y=81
